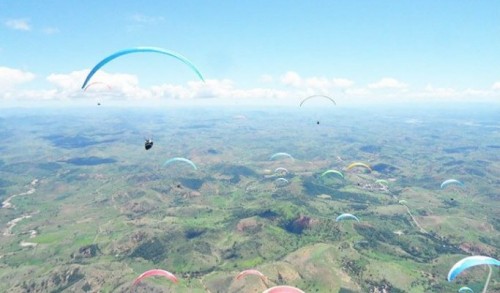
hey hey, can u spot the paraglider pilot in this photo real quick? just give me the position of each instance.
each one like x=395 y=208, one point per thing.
x=148 y=144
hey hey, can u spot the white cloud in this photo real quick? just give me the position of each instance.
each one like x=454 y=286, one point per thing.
x=21 y=24
x=126 y=87
x=50 y=30
x=213 y=88
x=387 y=83
x=317 y=82
x=291 y=78
x=74 y=80
x=357 y=92
x=496 y=85
x=314 y=83
x=342 y=83
x=10 y=77
x=431 y=91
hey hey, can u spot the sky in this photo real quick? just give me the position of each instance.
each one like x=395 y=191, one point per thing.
x=260 y=51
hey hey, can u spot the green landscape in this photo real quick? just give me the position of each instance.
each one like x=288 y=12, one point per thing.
x=87 y=209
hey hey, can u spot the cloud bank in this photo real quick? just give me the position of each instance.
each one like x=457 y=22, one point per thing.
x=287 y=89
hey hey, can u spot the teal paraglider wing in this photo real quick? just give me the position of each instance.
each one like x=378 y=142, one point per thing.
x=468 y=262
x=139 y=50
x=172 y=160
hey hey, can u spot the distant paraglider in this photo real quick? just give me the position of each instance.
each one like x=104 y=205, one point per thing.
x=283 y=289
x=172 y=160
x=92 y=84
x=278 y=155
x=317 y=96
x=346 y=216
x=331 y=171
x=140 y=50
x=382 y=182
x=251 y=272
x=358 y=164
x=465 y=290
x=148 y=143
x=280 y=182
x=281 y=171
x=451 y=182
x=155 y=272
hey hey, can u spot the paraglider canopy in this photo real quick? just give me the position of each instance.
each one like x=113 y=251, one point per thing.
x=358 y=164
x=468 y=262
x=451 y=182
x=155 y=272
x=332 y=171
x=96 y=83
x=465 y=290
x=278 y=155
x=283 y=289
x=280 y=182
x=382 y=182
x=317 y=96
x=141 y=50
x=173 y=160
x=346 y=216
x=281 y=171
x=251 y=272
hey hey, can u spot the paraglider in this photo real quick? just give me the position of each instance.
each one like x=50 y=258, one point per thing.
x=148 y=143
x=280 y=182
x=382 y=182
x=283 y=289
x=155 y=272
x=277 y=155
x=317 y=96
x=332 y=171
x=281 y=171
x=346 y=216
x=251 y=272
x=358 y=164
x=92 y=84
x=141 y=50
x=465 y=290
x=468 y=262
x=451 y=181
x=172 y=160
x=472 y=261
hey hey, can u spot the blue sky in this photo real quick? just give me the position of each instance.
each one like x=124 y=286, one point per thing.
x=265 y=51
